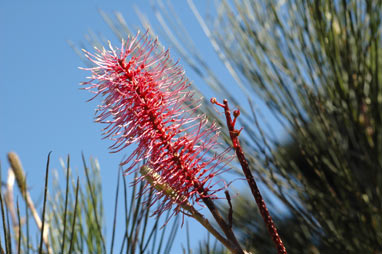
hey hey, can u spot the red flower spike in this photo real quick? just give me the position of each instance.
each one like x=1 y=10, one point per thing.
x=144 y=97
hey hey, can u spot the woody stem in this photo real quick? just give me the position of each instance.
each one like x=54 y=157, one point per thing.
x=154 y=179
x=234 y=133
x=235 y=246
x=202 y=220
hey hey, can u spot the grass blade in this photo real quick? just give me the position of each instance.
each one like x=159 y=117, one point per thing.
x=74 y=217
x=27 y=226
x=94 y=203
x=66 y=203
x=44 y=205
x=9 y=231
x=5 y=230
x=115 y=213
x=19 y=236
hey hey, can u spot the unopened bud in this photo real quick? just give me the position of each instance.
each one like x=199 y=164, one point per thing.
x=17 y=168
x=236 y=113
x=157 y=182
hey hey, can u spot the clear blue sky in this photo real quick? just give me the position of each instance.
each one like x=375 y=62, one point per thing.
x=41 y=106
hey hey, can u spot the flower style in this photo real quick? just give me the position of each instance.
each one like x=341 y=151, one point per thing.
x=146 y=101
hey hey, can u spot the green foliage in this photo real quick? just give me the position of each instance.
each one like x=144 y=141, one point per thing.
x=316 y=64
x=72 y=218
x=316 y=67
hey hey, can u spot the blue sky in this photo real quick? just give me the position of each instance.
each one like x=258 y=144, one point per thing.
x=41 y=106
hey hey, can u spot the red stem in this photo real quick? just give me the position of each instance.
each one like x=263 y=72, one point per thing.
x=234 y=134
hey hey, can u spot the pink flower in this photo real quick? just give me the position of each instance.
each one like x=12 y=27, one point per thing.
x=146 y=101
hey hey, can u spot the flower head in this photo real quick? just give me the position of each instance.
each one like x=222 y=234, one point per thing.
x=146 y=101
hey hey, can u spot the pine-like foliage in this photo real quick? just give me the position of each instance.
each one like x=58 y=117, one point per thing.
x=71 y=218
x=316 y=67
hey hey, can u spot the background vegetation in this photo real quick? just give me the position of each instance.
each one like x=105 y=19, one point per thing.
x=315 y=65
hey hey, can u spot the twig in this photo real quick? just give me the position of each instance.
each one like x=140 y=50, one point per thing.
x=223 y=225
x=230 y=212
x=234 y=134
x=230 y=242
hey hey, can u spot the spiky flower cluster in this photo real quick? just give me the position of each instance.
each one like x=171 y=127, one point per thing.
x=146 y=101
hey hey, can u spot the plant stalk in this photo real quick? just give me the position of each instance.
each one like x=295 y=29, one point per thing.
x=234 y=134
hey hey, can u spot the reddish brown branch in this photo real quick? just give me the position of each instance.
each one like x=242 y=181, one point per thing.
x=234 y=134
x=235 y=246
x=230 y=212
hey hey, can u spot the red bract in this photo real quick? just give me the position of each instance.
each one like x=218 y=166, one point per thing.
x=147 y=102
